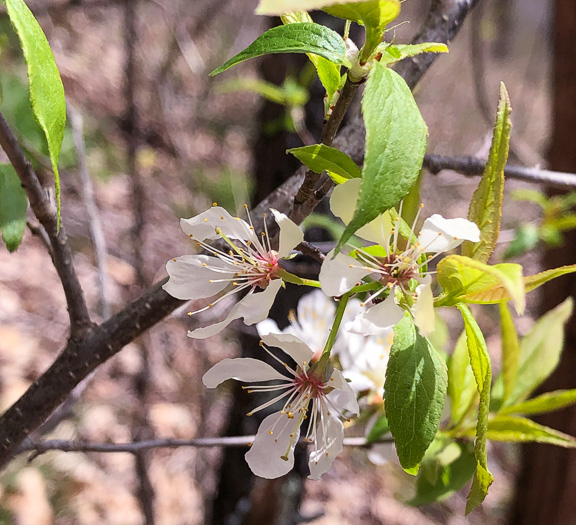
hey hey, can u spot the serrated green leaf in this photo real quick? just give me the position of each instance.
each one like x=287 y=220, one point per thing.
x=450 y=477
x=470 y=281
x=480 y=361
x=374 y=13
x=540 y=351
x=281 y=7
x=486 y=205
x=510 y=350
x=378 y=430
x=548 y=402
x=13 y=204
x=415 y=390
x=319 y=158
x=461 y=383
x=394 y=53
x=395 y=145
x=46 y=89
x=302 y=37
x=522 y=430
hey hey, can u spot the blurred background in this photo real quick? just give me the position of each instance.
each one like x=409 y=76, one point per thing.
x=164 y=141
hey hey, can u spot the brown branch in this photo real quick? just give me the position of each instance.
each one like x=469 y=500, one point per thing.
x=472 y=166
x=45 y=212
x=79 y=358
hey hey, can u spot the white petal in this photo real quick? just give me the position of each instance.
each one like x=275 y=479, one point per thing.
x=343 y=396
x=377 y=319
x=315 y=318
x=243 y=369
x=204 y=225
x=424 y=316
x=290 y=236
x=265 y=455
x=253 y=308
x=359 y=382
x=294 y=347
x=441 y=235
x=268 y=326
x=343 y=204
x=382 y=453
x=190 y=280
x=336 y=276
x=332 y=433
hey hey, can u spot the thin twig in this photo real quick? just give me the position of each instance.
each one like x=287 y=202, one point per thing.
x=45 y=211
x=472 y=166
x=37 y=230
x=94 y=222
x=312 y=251
x=140 y=446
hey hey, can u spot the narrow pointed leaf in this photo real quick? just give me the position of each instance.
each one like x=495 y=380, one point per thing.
x=462 y=388
x=395 y=146
x=480 y=361
x=320 y=157
x=280 y=7
x=466 y=280
x=302 y=37
x=393 y=53
x=415 y=391
x=46 y=89
x=510 y=350
x=13 y=204
x=374 y=13
x=486 y=205
x=540 y=351
x=548 y=402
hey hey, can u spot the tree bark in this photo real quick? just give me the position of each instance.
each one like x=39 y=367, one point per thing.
x=546 y=487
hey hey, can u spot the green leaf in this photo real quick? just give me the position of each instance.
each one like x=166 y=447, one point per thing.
x=486 y=205
x=319 y=158
x=480 y=361
x=393 y=53
x=302 y=37
x=449 y=477
x=415 y=391
x=280 y=7
x=466 y=280
x=374 y=13
x=510 y=350
x=378 y=430
x=13 y=204
x=527 y=238
x=395 y=146
x=46 y=89
x=542 y=404
x=289 y=94
x=522 y=430
x=328 y=72
x=540 y=351
x=461 y=384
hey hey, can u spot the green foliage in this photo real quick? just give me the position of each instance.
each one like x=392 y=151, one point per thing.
x=548 y=402
x=320 y=157
x=373 y=13
x=540 y=351
x=510 y=350
x=46 y=89
x=391 y=163
x=461 y=386
x=302 y=37
x=444 y=471
x=521 y=430
x=415 y=391
x=469 y=281
x=13 y=204
x=280 y=7
x=392 y=53
x=378 y=430
x=486 y=205
x=290 y=93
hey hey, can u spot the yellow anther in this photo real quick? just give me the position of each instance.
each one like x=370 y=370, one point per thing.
x=191 y=235
x=249 y=414
x=206 y=219
x=290 y=415
x=211 y=281
x=270 y=432
x=214 y=204
x=175 y=260
x=210 y=305
x=221 y=217
x=189 y=313
x=204 y=264
x=245 y=206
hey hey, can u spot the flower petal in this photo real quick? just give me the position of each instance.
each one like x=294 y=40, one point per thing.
x=382 y=453
x=377 y=319
x=203 y=226
x=343 y=396
x=441 y=235
x=189 y=279
x=424 y=316
x=268 y=326
x=291 y=235
x=253 y=308
x=336 y=276
x=243 y=369
x=343 y=204
x=272 y=444
x=294 y=347
x=330 y=436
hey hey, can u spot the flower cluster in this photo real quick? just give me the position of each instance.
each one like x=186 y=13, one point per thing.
x=335 y=353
